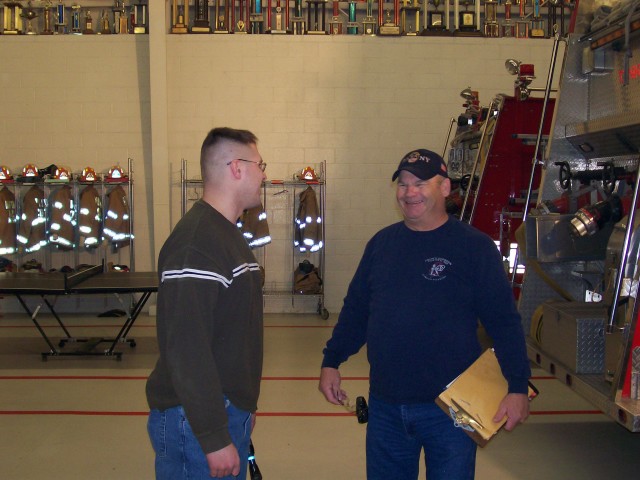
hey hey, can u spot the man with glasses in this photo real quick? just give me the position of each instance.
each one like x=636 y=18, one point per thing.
x=203 y=391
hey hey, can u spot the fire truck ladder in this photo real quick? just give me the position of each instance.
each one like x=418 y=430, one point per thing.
x=534 y=161
x=475 y=179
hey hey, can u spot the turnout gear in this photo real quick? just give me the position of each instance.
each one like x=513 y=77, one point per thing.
x=254 y=227
x=308 y=228
x=63 y=218
x=8 y=219
x=90 y=218
x=32 y=231
x=117 y=228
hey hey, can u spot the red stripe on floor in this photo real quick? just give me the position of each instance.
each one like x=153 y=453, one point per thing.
x=260 y=414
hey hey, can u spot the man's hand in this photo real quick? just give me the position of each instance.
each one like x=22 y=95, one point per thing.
x=330 y=386
x=515 y=406
x=224 y=462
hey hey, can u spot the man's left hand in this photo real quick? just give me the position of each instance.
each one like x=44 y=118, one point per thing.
x=515 y=406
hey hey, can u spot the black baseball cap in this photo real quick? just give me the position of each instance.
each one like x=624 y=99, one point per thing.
x=423 y=163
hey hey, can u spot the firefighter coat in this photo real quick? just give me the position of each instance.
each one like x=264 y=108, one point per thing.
x=308 y=228
x=62 y=221
x=90 y=218
x=254 y=227
x=7 y=222
x=116 y=227
x=32 y=229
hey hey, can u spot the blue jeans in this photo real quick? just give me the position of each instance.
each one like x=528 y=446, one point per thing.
x=396 y=434
x=178 y=453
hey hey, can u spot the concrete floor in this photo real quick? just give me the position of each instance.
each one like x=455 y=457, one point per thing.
x=76 y=418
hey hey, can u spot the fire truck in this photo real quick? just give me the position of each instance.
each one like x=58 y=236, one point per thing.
x=557 y=177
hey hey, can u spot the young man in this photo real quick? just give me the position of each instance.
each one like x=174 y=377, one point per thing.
x=204 y=389
x=415 y=300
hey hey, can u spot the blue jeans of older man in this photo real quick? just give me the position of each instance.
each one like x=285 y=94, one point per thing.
x=396 y=435
x=178 y=453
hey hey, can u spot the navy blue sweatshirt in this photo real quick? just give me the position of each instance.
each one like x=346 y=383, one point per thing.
x=416 y=299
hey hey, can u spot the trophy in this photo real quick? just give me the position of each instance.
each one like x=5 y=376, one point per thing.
x=369 y=23
x=46 y=13
x=243 y=14
x=467 y=23
x=75 y=19
x=88 y=24
x=61 y=19
x=222 y=20
x=201 y=17
x=12 y=18
x=352 y=24
x=297 y=21
x=437 y=21
x=537 y=23
x=139 y=20
x=29 y=14
x=508 y=27
x=491 y=27
x=179 y=16
x=388 y=26
x=410 y=17
x=120 y=23
x=105 y=28
x=522 y=26
x=256 y=19
x=335 y=26
x=281 y=15
x=317 y=27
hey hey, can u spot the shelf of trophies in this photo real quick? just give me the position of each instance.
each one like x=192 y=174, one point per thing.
x=52 y=219
x=50 y=17
x=488 y=18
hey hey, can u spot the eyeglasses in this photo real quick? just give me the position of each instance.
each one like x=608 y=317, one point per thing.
x=261 y=165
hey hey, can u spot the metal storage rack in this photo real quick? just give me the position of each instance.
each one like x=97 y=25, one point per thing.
x=50 y=256
x=279 y=258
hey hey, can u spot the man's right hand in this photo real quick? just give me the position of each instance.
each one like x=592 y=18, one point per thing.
x=330 y=386
x=224 y=462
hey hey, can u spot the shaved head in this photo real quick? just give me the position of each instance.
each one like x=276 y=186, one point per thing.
x=213 y=151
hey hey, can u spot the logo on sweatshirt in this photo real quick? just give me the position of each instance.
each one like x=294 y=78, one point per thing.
x=436 y=268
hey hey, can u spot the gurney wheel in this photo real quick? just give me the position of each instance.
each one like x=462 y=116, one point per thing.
x=324 y=313
x=132 y=344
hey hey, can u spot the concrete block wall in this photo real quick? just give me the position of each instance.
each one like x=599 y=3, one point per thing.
x=358 y=103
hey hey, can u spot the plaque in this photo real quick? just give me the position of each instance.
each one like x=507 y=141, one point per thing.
x=468 y=22
x=278 y=20
x=179 y=16
x=369 y=23
x=298 y=25
x=29 y=14
x=61 y=19
x=88 y=24
x=139 y=20
x=201 y=17
x=508 y=26
x=46 y=14
x=522 y=25
x=410 y=17
x=317 y=26
x=491 y=27
x=352 y=24
x=537 y=23
x=388 y=26
x=75 y=19
x=437 y=21
x=256 y=19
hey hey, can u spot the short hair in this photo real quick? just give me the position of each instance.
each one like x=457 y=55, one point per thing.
x=218 y=135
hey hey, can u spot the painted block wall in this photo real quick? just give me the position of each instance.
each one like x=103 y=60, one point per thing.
x=358 y=103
